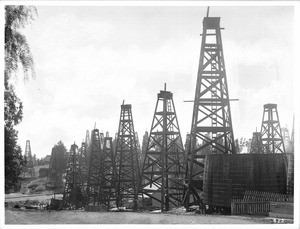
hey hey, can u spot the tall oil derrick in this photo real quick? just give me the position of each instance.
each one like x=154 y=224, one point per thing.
x=102 y=139
x=187 y=142
x=115 y=141
x=84 y=165
x=87 y=138
x=107 y=174
x=211 y=121
x=163 y=170
x=139 y=150
x=87 y=147
x=29 y=165
x=127 y=170
x=285 y=134
x=73 y=192
x=93 y=183
x=256 y=143
x=271 y=135
x=144 y=148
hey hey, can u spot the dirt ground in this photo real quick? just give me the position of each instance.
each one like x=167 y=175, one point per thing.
x=81 y=217
x=24 y=216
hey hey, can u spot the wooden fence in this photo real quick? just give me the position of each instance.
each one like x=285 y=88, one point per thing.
x=240 y=206
x=255 y=202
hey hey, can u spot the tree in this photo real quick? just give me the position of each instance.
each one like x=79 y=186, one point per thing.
x=17 y=54
x=61 y=157
x=58 y=165
x=17 y=50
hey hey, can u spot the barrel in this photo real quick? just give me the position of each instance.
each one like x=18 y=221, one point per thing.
x=227 y=176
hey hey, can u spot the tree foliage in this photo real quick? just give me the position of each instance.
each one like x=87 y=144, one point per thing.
x=61 y=156
x=17 y=54
x=13 y=158
x=17 y=50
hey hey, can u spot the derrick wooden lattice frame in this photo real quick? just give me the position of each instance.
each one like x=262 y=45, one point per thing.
x=271 y=135
x=139 y=150
x=127 y=167
x=211 y=121
x=73 y=192
x=107 y=174
x=93 y=183
x=164 y=163
x=87 y=142
x=28 y=155
x=84 y=165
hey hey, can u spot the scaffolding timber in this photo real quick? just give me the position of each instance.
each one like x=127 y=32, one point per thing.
x=163 y=170
x=271 y=135
x=211 y=120
x=127 y=169
x=73 y=197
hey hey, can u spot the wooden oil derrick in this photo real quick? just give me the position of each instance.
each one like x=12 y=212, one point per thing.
x=285 y=134
x=187 y=142
x=102 y=139
x=93 y=183
x=115 y=141
x=256 y=143
x=29 y=168
x=211 y=122
x=127 y=169
x=73 y=192
x=84 y=166
x=144 y=148
x=139 y=150
x=107 y=174
x=87 y=142
x=87 y=138
x=164 y=164
x=271 y=135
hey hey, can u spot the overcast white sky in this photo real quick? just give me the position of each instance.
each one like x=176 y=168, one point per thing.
x=88 y=59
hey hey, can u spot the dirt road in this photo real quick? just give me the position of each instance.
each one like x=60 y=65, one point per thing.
x=81 y=217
